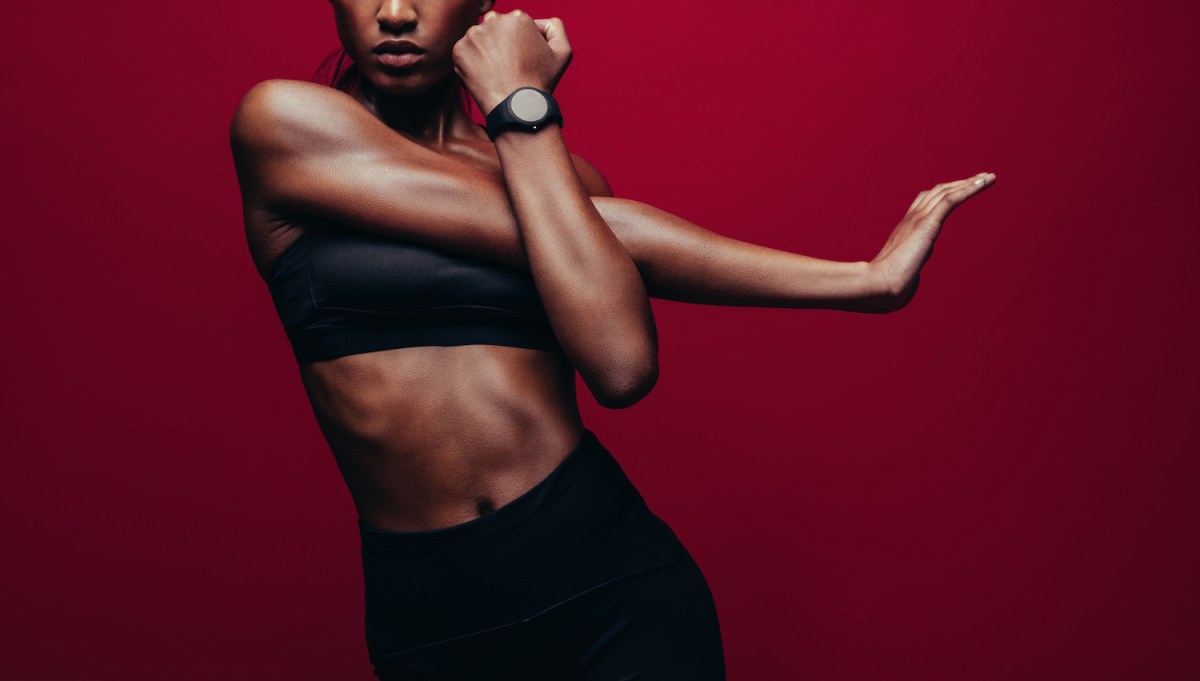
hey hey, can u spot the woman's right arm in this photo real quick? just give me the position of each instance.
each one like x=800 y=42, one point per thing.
x=305 y=149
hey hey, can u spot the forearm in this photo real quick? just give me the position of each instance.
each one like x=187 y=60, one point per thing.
x=681 y=261
x=589 y=285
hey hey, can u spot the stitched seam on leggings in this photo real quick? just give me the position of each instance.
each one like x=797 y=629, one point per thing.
x=645 y=568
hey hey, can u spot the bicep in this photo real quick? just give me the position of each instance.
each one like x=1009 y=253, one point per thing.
x=307 y=153
x=591 y=178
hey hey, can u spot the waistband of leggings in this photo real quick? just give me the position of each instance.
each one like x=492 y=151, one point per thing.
x=579 y=462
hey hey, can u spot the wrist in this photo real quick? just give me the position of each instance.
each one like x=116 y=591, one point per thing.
x=547 y=137
x=526 y=109
x=494 y=96
x=876 y=287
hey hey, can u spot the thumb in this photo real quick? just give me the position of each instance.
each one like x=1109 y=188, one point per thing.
x=555 y=34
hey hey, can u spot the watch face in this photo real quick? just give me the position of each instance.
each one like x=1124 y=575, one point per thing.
x=529 y=105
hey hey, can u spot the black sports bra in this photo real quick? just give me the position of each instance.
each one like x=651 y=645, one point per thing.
x=342 y=291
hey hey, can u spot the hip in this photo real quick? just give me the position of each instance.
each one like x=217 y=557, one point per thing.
x=583 y=526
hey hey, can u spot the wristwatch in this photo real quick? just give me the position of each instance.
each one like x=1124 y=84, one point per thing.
x=527 y=109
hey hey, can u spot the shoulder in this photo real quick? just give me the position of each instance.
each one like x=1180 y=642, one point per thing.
x=281 y=98
x=591 y=177
x=278 y=113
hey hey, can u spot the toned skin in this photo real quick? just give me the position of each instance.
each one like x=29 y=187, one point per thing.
x=429 y=437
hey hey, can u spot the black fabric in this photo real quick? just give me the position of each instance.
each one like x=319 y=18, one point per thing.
x=575 y=579
x=341 y=291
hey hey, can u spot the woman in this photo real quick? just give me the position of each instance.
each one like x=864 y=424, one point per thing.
x=440 y=284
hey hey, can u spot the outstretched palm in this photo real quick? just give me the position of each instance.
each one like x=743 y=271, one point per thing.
x=911 y=242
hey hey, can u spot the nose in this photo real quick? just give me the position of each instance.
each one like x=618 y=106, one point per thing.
x=395 y=15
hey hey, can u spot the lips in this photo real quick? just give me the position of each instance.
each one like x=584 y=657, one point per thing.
x=397 y=47
x=398 y=54
x=399 y=60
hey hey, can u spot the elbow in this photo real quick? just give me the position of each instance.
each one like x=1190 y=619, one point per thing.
x=622 y=368
x=626 y=388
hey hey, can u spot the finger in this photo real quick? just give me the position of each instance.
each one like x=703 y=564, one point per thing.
x=544 y=25
x=935 y=194
x=931 y=196
x=554 y=31
x=949 y=200
x=938 y=190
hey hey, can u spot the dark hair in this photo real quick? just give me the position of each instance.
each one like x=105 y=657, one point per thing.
x=338 y=70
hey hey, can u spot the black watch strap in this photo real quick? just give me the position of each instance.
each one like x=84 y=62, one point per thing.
x=528 y=109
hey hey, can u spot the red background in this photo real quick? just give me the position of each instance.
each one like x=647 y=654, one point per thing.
x=997 y=482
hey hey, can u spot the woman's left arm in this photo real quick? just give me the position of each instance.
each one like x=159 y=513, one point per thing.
x=682 y=261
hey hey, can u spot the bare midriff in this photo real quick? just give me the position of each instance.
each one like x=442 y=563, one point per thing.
x=430 y=437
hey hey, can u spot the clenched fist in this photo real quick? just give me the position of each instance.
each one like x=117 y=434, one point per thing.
x=508 y=51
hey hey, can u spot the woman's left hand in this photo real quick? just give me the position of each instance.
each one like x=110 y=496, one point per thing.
x=898 y=265
x=508 y=51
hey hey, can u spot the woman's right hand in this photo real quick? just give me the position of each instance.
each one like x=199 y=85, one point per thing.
x=508 y=51
x=898 y=265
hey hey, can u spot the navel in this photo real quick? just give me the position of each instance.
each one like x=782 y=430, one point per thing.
x=484 y=506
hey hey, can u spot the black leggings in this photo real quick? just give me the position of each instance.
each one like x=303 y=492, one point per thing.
x=574 y=579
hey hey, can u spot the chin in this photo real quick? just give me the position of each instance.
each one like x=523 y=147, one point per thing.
x=402 y=84
x=396 y=87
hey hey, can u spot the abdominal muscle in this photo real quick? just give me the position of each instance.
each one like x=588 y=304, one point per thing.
x=434 y=436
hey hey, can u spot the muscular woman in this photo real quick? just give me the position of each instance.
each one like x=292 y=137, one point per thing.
x=440 y=284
